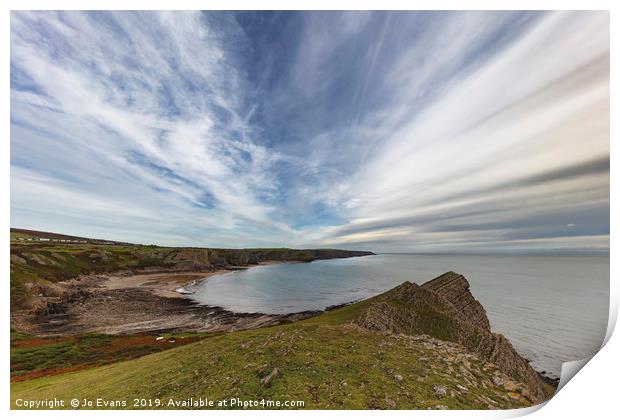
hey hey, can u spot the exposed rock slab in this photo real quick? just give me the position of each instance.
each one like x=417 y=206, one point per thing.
x=454 y=288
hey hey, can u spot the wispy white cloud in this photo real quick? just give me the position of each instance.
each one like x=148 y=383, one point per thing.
x=107 y=75
x=479 y=131
x=538 y=105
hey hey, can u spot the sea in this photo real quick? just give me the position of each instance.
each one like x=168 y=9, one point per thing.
x=552 y=308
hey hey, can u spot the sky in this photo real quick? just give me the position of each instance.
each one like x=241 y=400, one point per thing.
x=438 y=132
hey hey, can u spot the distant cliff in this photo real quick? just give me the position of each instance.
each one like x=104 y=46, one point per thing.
x=207 y=258
x=40 y=257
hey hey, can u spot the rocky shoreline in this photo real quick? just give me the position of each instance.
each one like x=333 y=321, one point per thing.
x=90 y=304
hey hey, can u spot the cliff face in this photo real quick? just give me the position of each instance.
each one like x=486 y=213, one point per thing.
x=445 y=309
x=455 y=289
x=206 y=258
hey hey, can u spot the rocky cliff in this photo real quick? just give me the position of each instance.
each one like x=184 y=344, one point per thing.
x=206 y=258
x=445 y=309
x=455 y=289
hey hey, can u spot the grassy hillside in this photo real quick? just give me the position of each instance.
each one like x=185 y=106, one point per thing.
x=327 y=362
x=35 y=263
x=324 y=365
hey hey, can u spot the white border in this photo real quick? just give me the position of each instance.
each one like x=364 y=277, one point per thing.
x=311 y=5
x=593 y=394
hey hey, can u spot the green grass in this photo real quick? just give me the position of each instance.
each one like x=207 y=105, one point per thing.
x=326 y=366
x=33 y=357
x=53 y=354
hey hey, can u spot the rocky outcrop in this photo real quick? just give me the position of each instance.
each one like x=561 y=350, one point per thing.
x=455 y=289
x=445 y=309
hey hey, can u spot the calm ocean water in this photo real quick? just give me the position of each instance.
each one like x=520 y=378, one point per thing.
x=552 y=308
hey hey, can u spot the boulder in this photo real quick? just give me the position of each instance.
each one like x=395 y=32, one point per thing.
x=440 y=391
x=267 y=379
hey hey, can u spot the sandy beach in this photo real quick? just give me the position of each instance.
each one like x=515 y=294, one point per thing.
x=161 y=284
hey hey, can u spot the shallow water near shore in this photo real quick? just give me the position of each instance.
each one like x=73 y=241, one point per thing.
x=552 y=308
